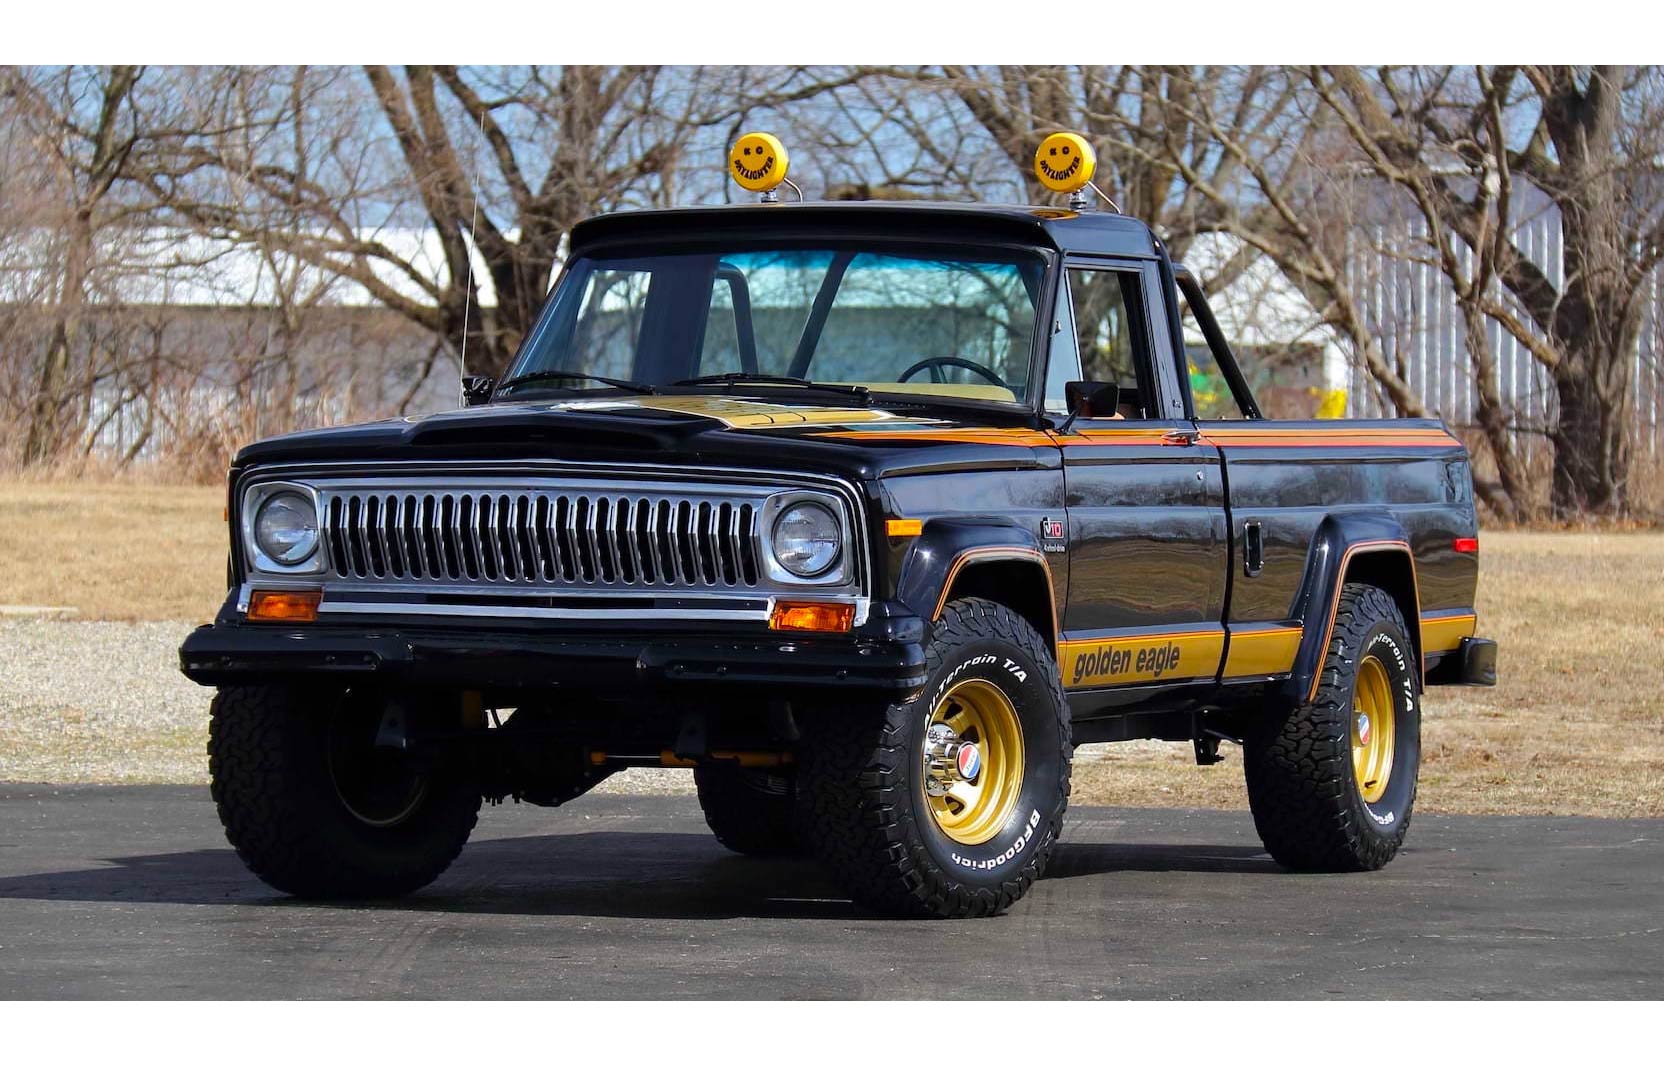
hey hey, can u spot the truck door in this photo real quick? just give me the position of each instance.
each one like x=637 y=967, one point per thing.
x=1147 y=539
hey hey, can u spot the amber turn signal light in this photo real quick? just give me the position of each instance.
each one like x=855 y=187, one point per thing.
x=903 y=527
x=813 y=617
x=266 y=605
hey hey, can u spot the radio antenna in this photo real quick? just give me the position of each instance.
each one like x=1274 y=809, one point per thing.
x=468 y=293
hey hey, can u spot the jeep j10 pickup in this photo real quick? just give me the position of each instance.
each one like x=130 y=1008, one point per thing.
x=866 y=513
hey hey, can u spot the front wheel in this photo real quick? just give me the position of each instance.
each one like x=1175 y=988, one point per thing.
x=1332 y=782
x=316 y=808
x=948 y=806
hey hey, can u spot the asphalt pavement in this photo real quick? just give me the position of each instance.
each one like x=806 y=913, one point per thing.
x=132 y=892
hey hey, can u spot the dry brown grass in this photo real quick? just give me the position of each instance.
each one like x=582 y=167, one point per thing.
x=113 y=550
x=1576 y=725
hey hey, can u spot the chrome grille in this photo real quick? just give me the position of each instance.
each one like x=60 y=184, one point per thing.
x=516 y=536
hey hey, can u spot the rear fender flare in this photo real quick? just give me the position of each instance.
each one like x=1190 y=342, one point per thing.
x=1341 y=541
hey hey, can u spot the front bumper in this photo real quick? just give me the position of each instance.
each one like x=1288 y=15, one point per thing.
x=887 y=658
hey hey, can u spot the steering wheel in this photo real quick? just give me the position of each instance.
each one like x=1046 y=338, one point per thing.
x=935 y=363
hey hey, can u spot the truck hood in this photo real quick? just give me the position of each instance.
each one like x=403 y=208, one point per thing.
x=684 y=430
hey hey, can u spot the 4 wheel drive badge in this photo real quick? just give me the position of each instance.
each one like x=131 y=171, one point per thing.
x=970 y=760
x=1051 y=535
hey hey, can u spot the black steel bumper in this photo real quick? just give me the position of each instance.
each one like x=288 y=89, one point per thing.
x=1473 y=663
x=891 y=662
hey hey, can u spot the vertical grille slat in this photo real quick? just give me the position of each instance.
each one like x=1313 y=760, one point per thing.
x=677 y=518
x=502 y=534
x=747 y=543
x=623 y=566
x=337 y=543
x=475 y=531
x=637 y=519
x=534 y=535
x=653 y=527
x=557 y=538
x=709 y=561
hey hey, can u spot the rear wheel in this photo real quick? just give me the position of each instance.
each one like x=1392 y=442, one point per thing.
x=1332 y=782
x=948 y=806
x=749 y=811
x=316 y=808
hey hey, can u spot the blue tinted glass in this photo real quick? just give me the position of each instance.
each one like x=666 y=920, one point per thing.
x=903 y=320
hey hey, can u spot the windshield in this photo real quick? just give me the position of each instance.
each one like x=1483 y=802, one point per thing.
x=900 y=321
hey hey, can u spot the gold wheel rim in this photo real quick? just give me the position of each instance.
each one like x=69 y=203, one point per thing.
x=972 y=812
x=1374 y=729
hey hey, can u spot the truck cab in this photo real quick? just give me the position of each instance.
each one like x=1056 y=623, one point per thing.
x=867 y=514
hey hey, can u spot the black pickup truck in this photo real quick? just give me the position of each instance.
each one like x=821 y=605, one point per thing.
x=866 y=513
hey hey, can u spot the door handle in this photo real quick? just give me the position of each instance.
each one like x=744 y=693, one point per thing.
x=1253 y=549
x=1180 y=436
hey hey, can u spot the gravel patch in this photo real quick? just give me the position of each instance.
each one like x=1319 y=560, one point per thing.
x=98 y=702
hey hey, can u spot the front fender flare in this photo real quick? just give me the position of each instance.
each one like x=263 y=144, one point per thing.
x=946 y=547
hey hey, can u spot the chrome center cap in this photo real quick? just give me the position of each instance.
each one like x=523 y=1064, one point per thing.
x=1363 y=728
x=948 y=760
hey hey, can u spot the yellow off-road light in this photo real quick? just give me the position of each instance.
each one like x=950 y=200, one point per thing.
x=758 y=162
x=1064 y=162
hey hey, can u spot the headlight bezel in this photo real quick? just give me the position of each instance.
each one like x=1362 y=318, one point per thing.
x=254 y=500
x=836 y=572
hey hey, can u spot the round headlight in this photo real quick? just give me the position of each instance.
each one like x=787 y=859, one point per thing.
x=286 y=528
x=807 y=539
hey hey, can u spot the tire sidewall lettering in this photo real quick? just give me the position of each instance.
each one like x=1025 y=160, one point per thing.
x=1389 y=648
x=1011 y=670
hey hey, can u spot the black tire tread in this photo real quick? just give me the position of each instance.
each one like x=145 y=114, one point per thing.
x=259 y=780
x=859 y=762
x=1299 y=771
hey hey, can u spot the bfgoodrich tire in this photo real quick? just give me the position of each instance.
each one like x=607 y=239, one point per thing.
x=1332 y=782
x=749 y=811
x=315 y=809
x=867 y=779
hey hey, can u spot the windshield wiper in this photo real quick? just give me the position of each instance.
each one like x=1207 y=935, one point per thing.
x=740 y=377
x=570 y=375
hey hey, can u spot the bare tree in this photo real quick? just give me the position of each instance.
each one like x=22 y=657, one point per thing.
x=1460 y=143
x=497 y=164
x=82 y=128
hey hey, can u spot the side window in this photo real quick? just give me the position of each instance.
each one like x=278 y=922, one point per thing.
x=1099 y=335
x=1210 y=392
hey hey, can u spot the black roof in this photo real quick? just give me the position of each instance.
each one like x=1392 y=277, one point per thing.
x=1099 y=232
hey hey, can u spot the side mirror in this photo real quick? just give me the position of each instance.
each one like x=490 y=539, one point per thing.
x=476 y=389
x=1092 y=399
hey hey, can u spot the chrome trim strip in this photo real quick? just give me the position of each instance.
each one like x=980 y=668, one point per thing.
x=489 y=611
